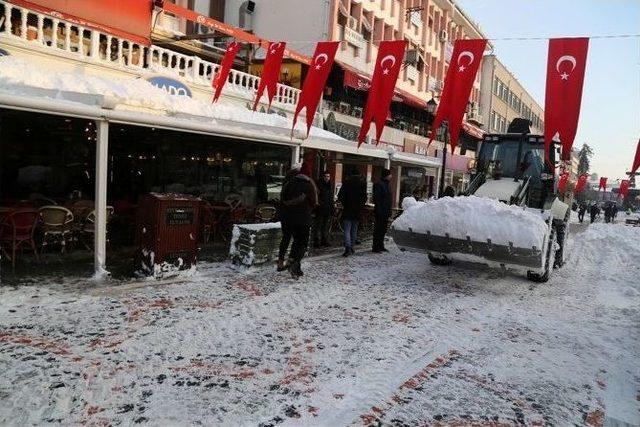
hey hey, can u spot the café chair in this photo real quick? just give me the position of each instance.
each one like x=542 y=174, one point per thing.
x=265 y=213
x=17 y=229
x=87 y=230
x=57 y=225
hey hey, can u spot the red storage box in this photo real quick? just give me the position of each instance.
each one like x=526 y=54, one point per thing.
x=167 y=232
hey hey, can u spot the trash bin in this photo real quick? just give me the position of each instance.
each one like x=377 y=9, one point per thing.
x=167 y=233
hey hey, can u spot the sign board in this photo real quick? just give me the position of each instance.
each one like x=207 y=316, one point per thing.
x=353 y=37
x=171 y=86
x=179 y=216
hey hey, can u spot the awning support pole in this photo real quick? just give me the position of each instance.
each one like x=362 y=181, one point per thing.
x=100 y=231
x=295 y=155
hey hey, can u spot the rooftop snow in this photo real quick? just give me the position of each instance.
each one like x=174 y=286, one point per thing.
x=135 y=92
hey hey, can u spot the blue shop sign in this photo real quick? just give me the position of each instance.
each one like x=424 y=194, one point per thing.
x=171 y=86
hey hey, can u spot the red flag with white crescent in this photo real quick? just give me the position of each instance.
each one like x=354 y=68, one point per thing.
x=563 y=181
x=624 y=188
x=581 y=184
x=223 y=72
x=566 y=63
x=458 y=82
x=603 y=183
x=270 y=72
x=636 y=160
x=313 y=86
x=383 y=84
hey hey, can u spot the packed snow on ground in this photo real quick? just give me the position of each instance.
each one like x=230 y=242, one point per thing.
x=371 y=339
x=479 y=218
x=135 y=92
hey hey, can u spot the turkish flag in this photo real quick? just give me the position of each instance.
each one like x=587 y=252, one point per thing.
x=562 y=182
x=581 y=184
x=636 y=160
x=313 y=86
x=223 y=72
x=566 y=64
x=383 y=84
x=603 y=183
x=624 y=188
x=458 y=82
x=270 y=72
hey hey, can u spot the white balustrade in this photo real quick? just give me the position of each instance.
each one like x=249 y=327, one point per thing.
x=116 y=51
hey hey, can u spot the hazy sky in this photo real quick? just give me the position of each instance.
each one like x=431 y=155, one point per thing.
x=610 y=114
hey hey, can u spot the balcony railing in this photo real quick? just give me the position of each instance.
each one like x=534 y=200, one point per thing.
x=71 y=40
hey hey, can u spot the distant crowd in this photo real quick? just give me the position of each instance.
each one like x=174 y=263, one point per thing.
x=595 y=209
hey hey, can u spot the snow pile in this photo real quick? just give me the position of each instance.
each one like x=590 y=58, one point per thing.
x=135 y=92
x=477 y=217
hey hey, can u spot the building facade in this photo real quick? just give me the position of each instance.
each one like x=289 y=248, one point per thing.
x=503 y=98
x=430 y=28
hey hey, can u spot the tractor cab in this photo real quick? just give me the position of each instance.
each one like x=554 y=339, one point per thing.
x=512 y=168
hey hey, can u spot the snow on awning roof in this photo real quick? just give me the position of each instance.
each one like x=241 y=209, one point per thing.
x=416 y=159
x=136 y=95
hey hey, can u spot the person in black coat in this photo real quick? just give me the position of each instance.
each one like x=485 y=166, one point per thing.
x=324 y=212
x=382 y=211
x=353 y=196
x=298 y=200
x=594 y=211
x=581 y=211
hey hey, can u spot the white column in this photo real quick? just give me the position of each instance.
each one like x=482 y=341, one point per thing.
x=438 y=174
x=100 y=232
x=295 y=155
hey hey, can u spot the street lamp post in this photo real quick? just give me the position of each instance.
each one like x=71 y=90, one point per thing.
x=431 y=109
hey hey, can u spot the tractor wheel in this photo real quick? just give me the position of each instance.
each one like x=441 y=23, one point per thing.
x=548 y=264
x=439 y=259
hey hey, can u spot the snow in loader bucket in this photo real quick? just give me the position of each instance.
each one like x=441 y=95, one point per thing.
x=476 y=229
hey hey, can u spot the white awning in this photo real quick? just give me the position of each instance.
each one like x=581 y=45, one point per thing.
x=416 y=159
x=97 y=107
x=344 y=146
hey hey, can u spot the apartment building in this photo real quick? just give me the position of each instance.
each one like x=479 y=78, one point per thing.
x=504 y=98
x=430 y=28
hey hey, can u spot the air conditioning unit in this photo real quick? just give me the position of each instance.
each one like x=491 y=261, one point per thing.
x=443 y=36
x=474 y=115
x=411 y=56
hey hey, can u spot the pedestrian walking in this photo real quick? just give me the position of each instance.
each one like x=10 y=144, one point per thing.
x=594 y=211
x=298 y=200
x=324 y=212
x=352 y=195
x=382 y=210
x=581 y=211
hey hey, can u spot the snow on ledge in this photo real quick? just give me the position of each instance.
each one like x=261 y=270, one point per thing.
x=477 y=217
x=16 y=73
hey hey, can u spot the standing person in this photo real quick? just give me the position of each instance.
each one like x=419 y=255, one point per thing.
x=352 y=195
x=325 y=211
x=594 y=211
x=382 y=210
x=581 y=211
x=299 y=198
x=285 y=220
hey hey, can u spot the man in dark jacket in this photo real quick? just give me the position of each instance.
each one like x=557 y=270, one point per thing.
x=324 y=212
x=298 y=200
x=382 y=210
x=352 y=195
x=594 y=211
x=581 y=211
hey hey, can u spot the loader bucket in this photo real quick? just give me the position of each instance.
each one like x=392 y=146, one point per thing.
x=523 y=259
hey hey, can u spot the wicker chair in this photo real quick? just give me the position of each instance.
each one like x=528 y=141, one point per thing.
x=87 y=230
x=17 y=229
x=57 y=226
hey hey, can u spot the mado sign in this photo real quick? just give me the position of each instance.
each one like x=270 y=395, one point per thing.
x=169 y=85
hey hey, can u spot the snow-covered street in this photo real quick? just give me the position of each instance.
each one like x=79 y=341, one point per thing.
x=374 y=338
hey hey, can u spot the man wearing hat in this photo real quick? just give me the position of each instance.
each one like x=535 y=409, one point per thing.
x=382 y=201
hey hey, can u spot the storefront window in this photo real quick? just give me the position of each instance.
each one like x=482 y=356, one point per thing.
x=414 y=182
x=143 y=160
x=45 y=159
